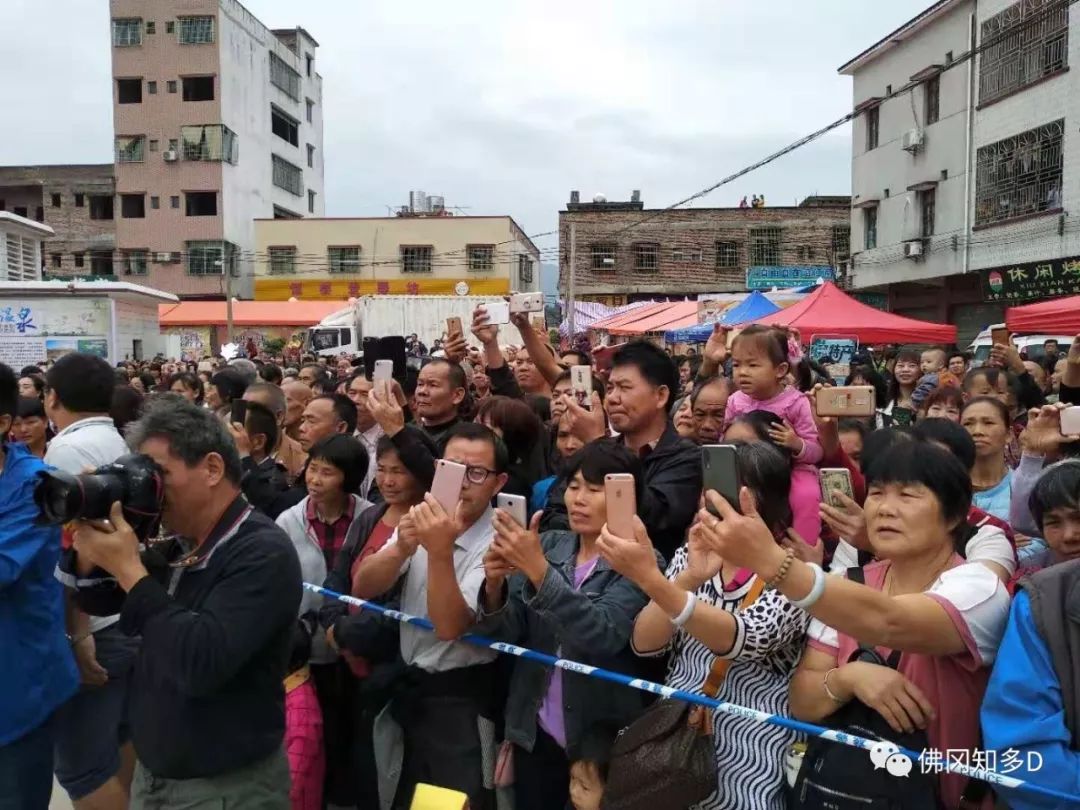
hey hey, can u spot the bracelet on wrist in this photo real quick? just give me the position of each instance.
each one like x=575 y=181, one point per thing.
x=79 y=639
x=828 y=691
x=816 y=590
x=785 y=566
x=687 y=611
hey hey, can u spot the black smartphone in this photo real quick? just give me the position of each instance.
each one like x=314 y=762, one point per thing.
x=393 y=348
x=238 y=414
x=720 y=471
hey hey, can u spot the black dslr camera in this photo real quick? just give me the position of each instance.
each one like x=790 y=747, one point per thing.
x=134 y=480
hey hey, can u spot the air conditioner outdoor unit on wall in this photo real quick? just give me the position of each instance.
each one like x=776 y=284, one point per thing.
x=170 y=156
x=912 y=140
x=164 y=258
x=913 y=250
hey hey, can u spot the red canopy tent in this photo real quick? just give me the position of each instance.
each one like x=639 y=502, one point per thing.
x=679 y=313
x=1060 y=316
x=829 y=311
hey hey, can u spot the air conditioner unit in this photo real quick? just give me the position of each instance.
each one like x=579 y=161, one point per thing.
x=165 y=258
x=170 y=156
x=913 y=250
x=912 y=140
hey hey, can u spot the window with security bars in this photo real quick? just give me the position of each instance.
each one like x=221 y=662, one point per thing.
x=287 y=176
x=841 y=243
x=647 y=257
x=927 y=212
x=135 y=262
x=1022 y=44
x=481 y=258
x=126 y=32
x=282 y=260
x=525 y=269
x=1020 y=175
x=870 y=228
x=208 y=258
x=195 y=30
x=344 y=259
x=727 y=255
x=603 y=256
x=932 y=100
x=130 y=149
x=209 y=143
x=283 y=77
x=765 y=246
x=416 y=258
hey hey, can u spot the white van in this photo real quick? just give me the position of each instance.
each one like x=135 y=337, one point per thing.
x=1030 y=346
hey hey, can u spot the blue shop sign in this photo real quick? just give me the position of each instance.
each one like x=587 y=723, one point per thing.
x=769 y=276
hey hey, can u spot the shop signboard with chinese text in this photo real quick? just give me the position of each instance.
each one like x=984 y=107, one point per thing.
x=46 y=328
x=767 y=277
x=1032 y=280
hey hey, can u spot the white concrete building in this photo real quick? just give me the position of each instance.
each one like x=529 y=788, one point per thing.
x=218 y=122
x=21 y=241
x=959 y=164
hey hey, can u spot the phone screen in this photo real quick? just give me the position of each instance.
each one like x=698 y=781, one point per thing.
x=720 y=471
x=238 y=411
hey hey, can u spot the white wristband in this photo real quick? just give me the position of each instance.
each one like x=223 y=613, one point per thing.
x=816 y=590
x=687 y=611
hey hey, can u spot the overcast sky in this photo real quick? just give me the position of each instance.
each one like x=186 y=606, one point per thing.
x=503 y=106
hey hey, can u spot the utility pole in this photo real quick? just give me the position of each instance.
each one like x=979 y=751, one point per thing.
x=570 y=315
x=226 y=268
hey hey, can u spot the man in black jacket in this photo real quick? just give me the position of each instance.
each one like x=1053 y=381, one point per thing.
x=641 y=388
x=207 y=698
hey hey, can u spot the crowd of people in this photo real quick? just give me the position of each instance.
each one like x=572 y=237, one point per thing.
x=937 y=602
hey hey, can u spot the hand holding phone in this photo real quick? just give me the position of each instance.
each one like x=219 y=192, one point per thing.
x=526 y=302
x=498 y=312
x=515 y=506
x=833 y=480
x=446 y=486
x=581 y=385
x=454 y=328
x=621 y=498
x=849 y=400
x=238 y=412
x=720 y=472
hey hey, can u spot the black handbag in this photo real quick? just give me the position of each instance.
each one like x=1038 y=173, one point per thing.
x=666 y=758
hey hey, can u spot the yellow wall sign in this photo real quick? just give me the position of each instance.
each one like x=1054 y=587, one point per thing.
x=282 y=289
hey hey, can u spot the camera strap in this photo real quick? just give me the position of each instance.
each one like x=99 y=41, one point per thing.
x=198 y=557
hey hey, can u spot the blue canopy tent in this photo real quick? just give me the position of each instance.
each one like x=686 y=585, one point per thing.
x=751 y=308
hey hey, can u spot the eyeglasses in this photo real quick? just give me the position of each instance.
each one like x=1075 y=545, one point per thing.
x=478 y=475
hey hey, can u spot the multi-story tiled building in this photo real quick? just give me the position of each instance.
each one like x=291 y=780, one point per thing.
x=218 y=122
x=626 y=252
x=76 y=202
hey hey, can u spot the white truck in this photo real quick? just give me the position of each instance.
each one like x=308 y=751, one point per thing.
x=386 y=315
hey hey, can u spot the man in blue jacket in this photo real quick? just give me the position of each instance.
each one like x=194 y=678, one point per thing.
x=39 y=671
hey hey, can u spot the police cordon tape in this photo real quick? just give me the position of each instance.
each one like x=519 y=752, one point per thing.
x=810 y=729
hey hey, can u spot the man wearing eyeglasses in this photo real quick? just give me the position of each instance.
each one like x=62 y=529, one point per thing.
x=443 y=698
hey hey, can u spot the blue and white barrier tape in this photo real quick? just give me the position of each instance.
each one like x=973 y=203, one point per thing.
x=754 y=715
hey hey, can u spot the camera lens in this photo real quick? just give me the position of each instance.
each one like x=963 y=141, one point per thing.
x=62 y=497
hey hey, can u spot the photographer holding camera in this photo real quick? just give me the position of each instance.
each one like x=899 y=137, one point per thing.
x=93 y=754
x=206 y=706
x=39 y=673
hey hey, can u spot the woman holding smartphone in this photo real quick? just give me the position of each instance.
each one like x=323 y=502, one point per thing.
x=701 y=612
x=553 y=592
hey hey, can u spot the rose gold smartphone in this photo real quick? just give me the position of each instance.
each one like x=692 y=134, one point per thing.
x=515 y=506
x=850 y=400
x=999 y=336
x=454 y=328
x=446 y=486
x=621 y=503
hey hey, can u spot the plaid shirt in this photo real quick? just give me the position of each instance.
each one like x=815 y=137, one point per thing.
x=331 y=536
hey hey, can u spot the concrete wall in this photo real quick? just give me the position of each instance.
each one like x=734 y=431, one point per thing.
x=1057 y=97
x=136 y=321
x=380 y=240
x=890 y=168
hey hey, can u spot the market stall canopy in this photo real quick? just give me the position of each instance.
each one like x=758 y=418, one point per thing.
x=247 y=313
x=629 y=313
x=829 y=311
x=674 y=315
x=588 y=313
x=1060 y=316
x=751 y=308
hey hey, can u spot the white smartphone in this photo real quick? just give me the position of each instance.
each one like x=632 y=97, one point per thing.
x=498 y=312
x=526 y=302
x=515 y=506
x=446 y=486
x=384 y=370
x=1070 y=421
x=581 y=385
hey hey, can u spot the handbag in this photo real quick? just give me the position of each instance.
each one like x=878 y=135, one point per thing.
x=666 y=757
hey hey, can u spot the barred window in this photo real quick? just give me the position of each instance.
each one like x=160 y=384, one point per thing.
x=196 y=30
x=841 y=243
x=1020 y=175
x=603 y=256
x=481 y=258
x=416 y=258
x=525 y=269
x=283 y=77
x=282 y=260
x=1023 y=43
x=135 y=262
x=765 y=246
x=287 y=176
x=126 y=32
x=130 y=148
x=870 y=227
x=209 y=142
x=205 y=258
x=927 y=211
x=647 y=256
x=727 y=254
x=344 y=259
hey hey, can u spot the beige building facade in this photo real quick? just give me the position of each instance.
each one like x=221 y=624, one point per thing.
x=340 y=258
